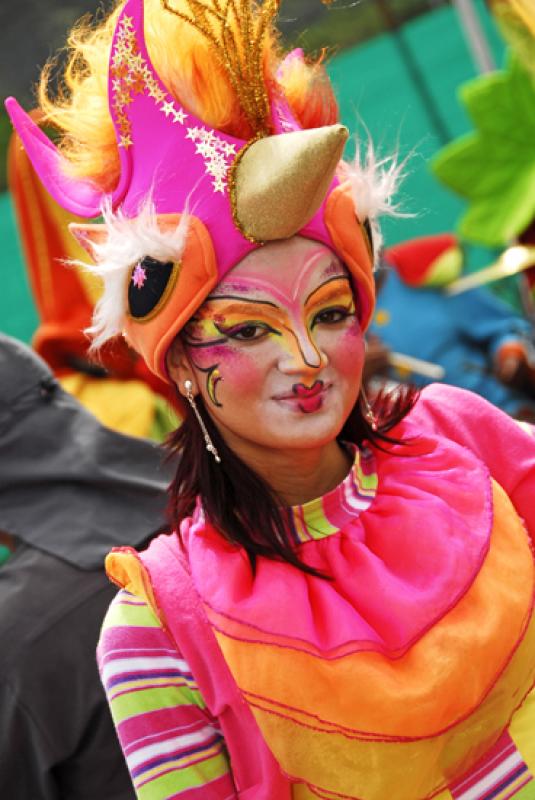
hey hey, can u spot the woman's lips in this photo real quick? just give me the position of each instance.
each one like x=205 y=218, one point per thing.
x=301 y=390
x=306 y=398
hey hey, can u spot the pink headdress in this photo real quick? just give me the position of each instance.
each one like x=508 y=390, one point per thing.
x=216 y=198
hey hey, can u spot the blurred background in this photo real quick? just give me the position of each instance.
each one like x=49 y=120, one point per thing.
x=396 y=66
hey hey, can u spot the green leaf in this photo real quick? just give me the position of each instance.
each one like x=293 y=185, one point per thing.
x=497 y=218
x=493 y=168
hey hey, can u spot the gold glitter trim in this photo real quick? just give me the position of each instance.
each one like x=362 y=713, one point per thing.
x=237 y=31
x=171 y=283
x=231 y=178
x=131 y=75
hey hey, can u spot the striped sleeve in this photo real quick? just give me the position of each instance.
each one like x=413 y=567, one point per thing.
x=171 y=743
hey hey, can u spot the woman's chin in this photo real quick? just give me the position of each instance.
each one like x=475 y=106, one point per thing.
x=302 y=429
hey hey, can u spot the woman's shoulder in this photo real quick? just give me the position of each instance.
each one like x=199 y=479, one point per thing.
x=459 y=413
x=127 y=610
x=132 y=570
x=438 y=398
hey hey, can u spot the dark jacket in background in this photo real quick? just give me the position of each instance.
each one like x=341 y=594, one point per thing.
x=70 y=490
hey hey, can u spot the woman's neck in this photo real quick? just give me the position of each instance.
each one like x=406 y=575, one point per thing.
x=300 y=475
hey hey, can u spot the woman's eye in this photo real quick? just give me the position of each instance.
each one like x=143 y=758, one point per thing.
x=248 y=333
x=331 y=316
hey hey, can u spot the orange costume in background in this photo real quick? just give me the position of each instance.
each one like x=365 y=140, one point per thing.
x=120 y=390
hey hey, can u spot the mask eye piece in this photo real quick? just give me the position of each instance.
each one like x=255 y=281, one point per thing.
x=151 y=284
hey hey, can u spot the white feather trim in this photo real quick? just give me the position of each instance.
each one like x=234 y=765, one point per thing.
x=128 y=240
x=373 y=183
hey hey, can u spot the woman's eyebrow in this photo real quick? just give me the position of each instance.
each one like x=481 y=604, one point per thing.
x=335 y=291
x=242 y=305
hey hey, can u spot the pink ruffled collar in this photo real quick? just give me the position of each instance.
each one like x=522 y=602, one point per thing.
x=398 y=564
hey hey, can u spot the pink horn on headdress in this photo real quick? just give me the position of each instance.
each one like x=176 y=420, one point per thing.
x=77 y=196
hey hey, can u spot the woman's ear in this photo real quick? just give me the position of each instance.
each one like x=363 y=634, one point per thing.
x=179 y=367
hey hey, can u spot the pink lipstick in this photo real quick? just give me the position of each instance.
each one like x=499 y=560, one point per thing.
x=307 y=398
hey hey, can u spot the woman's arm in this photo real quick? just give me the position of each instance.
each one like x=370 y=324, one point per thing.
x=171 y=743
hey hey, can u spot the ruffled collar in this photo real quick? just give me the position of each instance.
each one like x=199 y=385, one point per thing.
x=397 y=566
x=326 y=515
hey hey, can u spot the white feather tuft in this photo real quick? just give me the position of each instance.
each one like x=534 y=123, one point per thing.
x=374 y=182
x=127 y=241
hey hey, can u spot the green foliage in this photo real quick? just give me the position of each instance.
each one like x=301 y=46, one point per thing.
x=493 y=168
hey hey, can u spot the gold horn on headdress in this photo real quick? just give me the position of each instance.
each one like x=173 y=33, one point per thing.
x=279 y=182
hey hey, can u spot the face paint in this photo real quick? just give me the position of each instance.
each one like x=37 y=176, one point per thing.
x=278 y=342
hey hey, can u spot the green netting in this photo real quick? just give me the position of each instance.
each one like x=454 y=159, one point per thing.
x=17 y=310
x=374 y=85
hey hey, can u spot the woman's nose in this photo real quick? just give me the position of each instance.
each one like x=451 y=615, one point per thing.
x=302 y=353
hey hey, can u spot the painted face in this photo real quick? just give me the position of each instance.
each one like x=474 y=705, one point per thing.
x=276 y=349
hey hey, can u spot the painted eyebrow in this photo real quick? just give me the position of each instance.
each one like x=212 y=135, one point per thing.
x=334 y=292
x=243 y=302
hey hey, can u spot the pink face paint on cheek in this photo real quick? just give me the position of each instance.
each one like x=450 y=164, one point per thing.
x=349 y=350
x=238 y=372
x=244 y=377
x=210 y=354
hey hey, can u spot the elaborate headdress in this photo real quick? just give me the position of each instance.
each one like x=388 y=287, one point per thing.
x=192 y=201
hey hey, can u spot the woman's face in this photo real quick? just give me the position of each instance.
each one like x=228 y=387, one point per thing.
x=276 y=350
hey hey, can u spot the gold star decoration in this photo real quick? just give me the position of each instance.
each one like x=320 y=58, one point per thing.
x=132 y=75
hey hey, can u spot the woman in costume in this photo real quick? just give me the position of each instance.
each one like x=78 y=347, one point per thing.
x=346 y=607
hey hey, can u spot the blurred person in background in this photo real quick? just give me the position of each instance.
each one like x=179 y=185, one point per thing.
x=480 y=343
x=69 y=487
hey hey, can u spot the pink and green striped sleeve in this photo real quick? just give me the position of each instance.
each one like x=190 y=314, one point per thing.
x=172 y=745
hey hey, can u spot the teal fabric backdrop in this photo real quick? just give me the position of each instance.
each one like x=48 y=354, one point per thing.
x=376 y=93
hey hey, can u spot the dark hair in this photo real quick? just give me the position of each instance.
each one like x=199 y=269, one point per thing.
x=237 y=501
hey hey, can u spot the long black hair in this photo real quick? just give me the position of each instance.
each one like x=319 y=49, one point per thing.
x=237 y=501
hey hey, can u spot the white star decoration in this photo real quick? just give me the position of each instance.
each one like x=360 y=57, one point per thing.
x=167 y=108
x=179 y=116
x=219 y=185
x=216 y=152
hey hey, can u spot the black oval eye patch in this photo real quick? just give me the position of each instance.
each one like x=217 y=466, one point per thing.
x=151 y=282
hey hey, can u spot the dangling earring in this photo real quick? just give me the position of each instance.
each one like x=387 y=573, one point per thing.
x=368 y=411
x=210 y=446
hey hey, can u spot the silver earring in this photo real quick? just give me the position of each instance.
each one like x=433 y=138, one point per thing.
x=368 y=411
x=210 y=446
